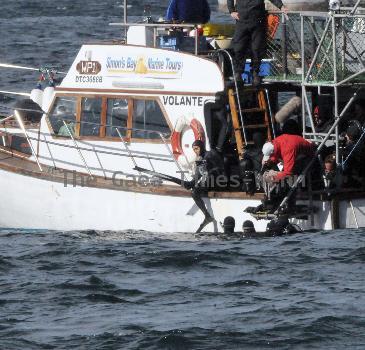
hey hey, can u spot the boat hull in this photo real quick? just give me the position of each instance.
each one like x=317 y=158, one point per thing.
x=34 y=203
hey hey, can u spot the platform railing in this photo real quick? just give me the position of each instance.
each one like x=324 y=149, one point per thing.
x=338 y=61
x=158 y=27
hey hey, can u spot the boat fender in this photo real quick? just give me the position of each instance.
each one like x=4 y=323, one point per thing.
x=183 y=124
x=288 y=109
x=36 y=95
x=47 y=97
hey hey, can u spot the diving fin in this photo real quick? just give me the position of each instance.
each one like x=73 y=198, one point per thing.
x=206 y=221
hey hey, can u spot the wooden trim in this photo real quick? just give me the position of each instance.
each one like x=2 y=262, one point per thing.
x=14 y=152
x=28 y=167
x=132 y=93
x=130 y=119
x=104 y=106
x=263 y=105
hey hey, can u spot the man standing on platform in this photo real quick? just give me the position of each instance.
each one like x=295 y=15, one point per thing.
x=250 y=34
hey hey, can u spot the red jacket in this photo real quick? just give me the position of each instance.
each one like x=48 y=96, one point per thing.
x=286 y=149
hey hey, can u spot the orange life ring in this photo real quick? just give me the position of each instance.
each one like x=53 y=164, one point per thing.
x=182 y=125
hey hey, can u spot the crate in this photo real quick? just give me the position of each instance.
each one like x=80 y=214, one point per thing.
x=181 y=43
x=218 y=29
x=265 y=70
x=168 y=42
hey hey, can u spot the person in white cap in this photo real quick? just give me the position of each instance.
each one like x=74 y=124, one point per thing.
x=292 y=150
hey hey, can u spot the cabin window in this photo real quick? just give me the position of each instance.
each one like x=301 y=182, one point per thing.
x=64 y=110
x=90 y=116
x=148 y=118
x=116 y=117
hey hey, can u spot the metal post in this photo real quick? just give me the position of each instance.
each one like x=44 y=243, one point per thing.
x=125 y=17
x=99 y=161
x=355 y=7
x=302 y=43
x=318 y=49
x=21 y=124
x=343 y=51
x=77 y=148
x=237 y=94
x=334 y=51
x=284 y=49
x=127 y=148
x=172 y=156
x=49 y=150
x=196 y=40
x=309 y=112
x=270 y=112
x=313 y=38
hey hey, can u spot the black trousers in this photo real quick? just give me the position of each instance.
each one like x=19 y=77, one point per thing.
x=249 y=40
x=216 y=124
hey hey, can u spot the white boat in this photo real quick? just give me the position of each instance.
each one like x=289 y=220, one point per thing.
x=122 y=106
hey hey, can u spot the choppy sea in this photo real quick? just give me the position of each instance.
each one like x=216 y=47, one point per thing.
x=140 y=290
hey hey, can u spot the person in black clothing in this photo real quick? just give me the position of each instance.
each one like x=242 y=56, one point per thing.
x=209 y=167
x=189 y=11
x=229 y=224
x=250 y=34
x=216 y=121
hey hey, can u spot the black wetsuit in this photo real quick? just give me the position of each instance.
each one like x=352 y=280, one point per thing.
x=208 y=171
x=250 y=31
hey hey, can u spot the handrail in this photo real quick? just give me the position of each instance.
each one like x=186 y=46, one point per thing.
x=126 y=147
x=237 y=92
x=158 y=25
x=133 y=156
x=77 y=147
x=89 y=149
x=172 y=156
x=21 y=125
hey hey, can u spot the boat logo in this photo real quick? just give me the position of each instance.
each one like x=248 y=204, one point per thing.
x=153 y=67
x=88 y=67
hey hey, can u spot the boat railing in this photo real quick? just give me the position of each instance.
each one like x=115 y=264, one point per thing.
x=53 y=140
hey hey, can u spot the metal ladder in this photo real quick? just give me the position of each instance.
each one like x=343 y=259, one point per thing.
x=257 y=116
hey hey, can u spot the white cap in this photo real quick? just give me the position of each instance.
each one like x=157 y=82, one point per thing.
x=267 y=150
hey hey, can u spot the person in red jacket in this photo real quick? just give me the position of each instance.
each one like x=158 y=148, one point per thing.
x=292 y=150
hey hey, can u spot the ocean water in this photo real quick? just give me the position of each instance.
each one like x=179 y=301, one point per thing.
x=140 y=290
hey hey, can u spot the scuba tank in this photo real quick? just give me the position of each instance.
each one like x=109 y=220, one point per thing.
x=247 y=175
